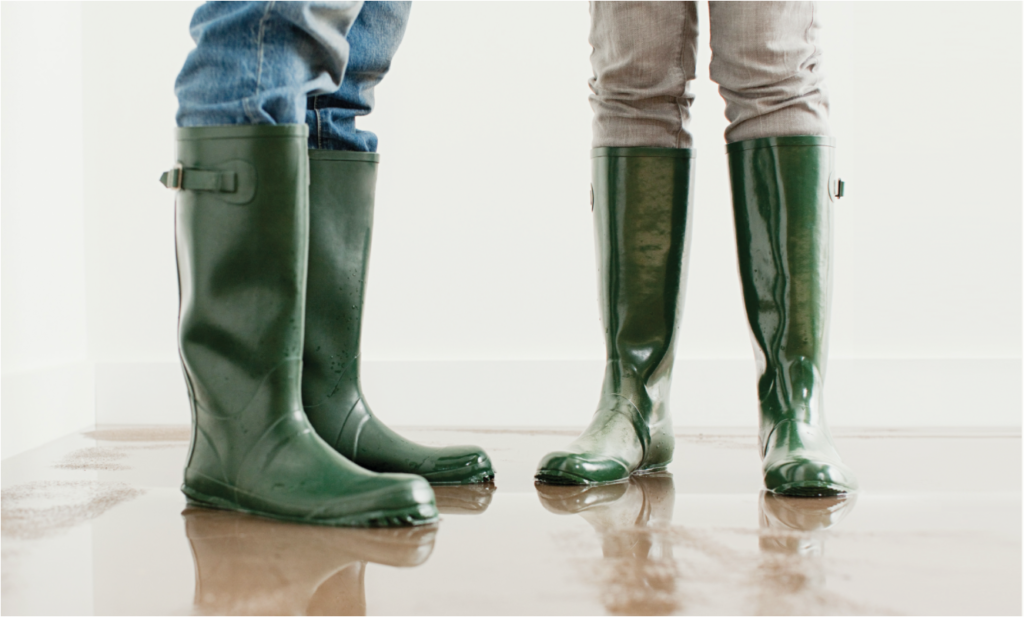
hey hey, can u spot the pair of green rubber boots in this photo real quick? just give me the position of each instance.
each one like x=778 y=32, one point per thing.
x=783 y=189
x=272 y=248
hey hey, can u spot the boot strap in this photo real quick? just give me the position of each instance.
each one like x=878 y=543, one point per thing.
x=179 y=178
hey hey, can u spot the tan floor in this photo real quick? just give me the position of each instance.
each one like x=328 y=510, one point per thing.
x=94 y=523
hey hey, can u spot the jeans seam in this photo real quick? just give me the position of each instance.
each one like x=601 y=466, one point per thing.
x=319 y=127
x=259 y=60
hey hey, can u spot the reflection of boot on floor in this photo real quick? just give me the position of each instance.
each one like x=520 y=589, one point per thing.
x=641 y=200
x=632 y=519
x=251 y=565
x=341 y=194
x=792 y=542
x=467 y=499
x=794 y=525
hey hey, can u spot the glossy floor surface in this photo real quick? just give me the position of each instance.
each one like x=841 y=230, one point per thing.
x=95 y=523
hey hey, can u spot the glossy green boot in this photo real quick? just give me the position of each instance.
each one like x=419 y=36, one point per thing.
x=641 y=200
x=242 y=228
x=341 y=218
x=783 y=190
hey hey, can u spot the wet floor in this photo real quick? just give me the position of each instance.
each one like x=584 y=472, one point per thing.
x=94 y=523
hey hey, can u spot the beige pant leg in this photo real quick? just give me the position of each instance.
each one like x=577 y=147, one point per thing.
x=766 y=60
x=644 y=58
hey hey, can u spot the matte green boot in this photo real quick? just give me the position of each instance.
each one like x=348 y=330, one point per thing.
x=641 y=200
x=242 y=231
x=782 y=192
x=341 y=218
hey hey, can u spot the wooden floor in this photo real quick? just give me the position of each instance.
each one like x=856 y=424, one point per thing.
x=94 y=523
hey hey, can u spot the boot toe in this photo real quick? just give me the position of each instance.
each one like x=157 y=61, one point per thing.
x=803 y=477
x=460 y=465
x=572 y=468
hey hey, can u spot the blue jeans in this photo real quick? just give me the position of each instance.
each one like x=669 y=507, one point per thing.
x=288 y=63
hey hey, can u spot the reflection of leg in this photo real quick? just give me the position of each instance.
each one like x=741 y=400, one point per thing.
x=644 y=58
x=256 y=62
x=794 y=525
x=640 y=503
x=373 y=40
x=792 y=542
x=342 y=594
x=250 y=565
x=632 y=519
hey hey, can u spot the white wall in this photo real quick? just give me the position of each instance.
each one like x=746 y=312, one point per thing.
x=43 y=219
x=46 y=379
x=483 y=246
x=483 y=239
x=132 y=53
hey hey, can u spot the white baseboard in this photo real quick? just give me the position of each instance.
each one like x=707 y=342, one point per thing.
x=722 y=393
x=41 y=405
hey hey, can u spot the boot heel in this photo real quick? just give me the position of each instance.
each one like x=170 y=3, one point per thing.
x=659 y=453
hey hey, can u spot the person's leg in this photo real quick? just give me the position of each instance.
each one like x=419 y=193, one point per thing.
x=644 y=58
x=767 y=62
x=766 y=59
x=342 y=187
x=373 y=42
x=642 y=189
x=242 y=235
x=257 y=62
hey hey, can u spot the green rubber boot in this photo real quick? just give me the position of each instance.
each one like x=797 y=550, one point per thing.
x=782 y=192
x=641 y=200
x=341 y=218
x=242 y=228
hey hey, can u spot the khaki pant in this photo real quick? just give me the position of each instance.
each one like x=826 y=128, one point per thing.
x=765 y=58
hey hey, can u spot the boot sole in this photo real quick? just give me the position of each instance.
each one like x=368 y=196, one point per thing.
x=565 y=478
x=482 y=478
x=401 y=517
x=809 y=489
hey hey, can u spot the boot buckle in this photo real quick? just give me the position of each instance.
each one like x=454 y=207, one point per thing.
x=172 y=179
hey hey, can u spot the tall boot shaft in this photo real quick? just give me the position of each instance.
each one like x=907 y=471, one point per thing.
x=641 y=233
x=783 y=202
x=341 y=223
x=242 y=278
x=341 y=199
x=641 y=201
x=242 y=232
x=783 y=190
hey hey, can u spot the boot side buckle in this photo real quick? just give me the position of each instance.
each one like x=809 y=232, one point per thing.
x=172 y=179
